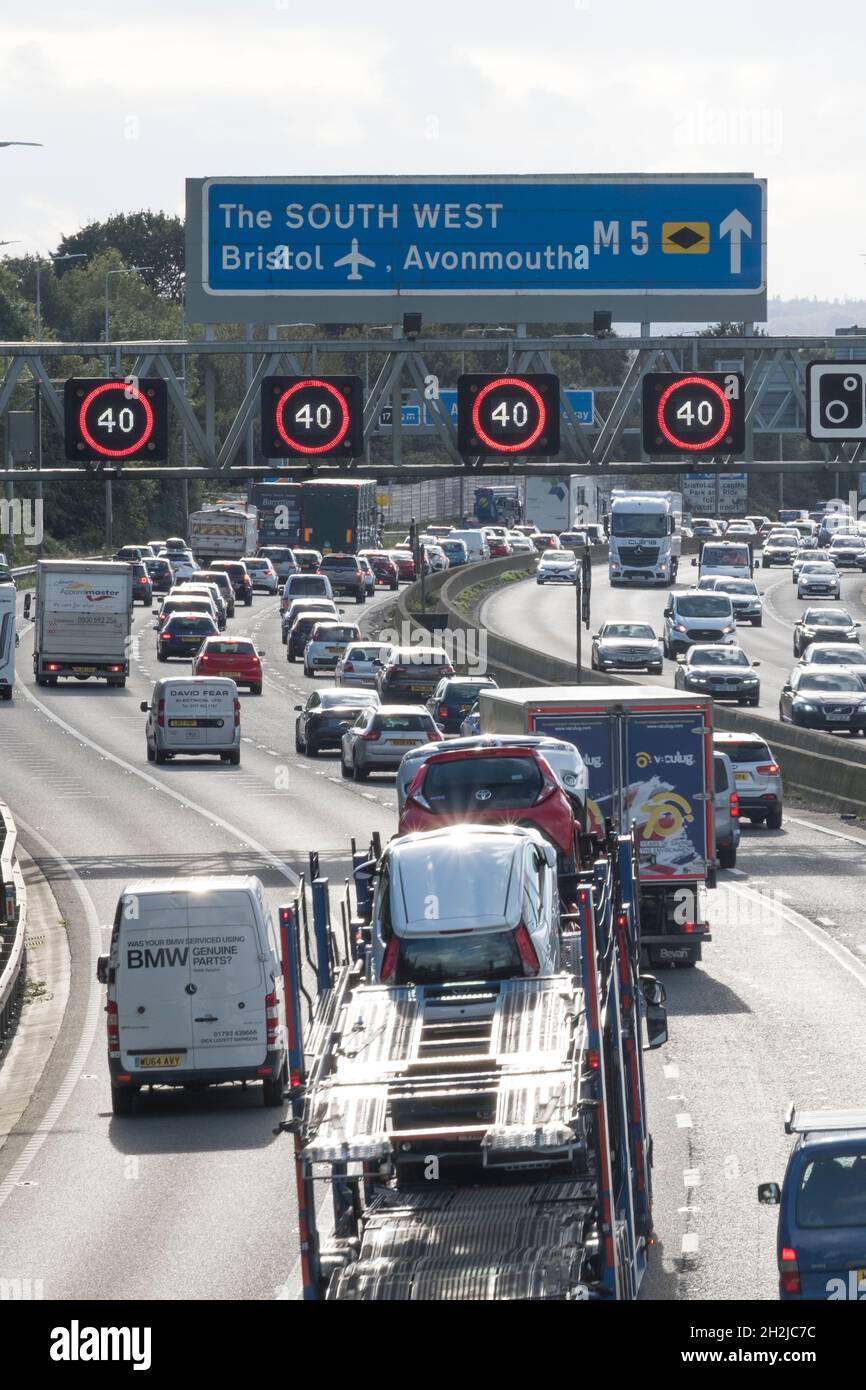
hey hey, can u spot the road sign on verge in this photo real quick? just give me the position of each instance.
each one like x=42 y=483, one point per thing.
x=662 y=247
x=836 y=400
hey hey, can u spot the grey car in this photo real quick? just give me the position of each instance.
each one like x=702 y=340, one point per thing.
x=745 y=596
x=723 y=672
x=380 y=737
x=726 y=811
x=626 y=647
x=757 y=775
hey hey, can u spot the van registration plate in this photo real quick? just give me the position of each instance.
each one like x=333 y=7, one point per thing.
x=172 y=1059
x=183 y=723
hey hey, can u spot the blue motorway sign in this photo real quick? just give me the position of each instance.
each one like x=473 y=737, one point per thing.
x=349 y=249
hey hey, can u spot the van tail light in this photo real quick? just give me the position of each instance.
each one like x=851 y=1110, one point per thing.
x=113 y=1023
x=237 y=713
x=389 y=960
x=528 y=958
x=272 y=1018
x=769 y=769
x=160 y=714
x=735 y=806
x=789 y=1271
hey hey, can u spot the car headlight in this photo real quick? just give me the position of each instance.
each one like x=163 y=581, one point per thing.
x=680 y=627
x=750 y=680
x=696 y=680
x=805 y=706
x=726 y=630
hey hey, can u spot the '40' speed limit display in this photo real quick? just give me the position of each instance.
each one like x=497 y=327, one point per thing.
x=693 y=413
x=115 y=420
x=312 y=417
x=508 y=414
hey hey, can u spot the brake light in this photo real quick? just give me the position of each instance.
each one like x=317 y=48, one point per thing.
x=113 y=1027
x=348 y=666
x=143 y=579
x=52 y=666
x=160 y=714
x=735 y=806
x=389 y=960
x=526 y=950
x=789 y=1271
x=770 y=769
x=166 y=636
x=443 y=711
x=372 y=736
x=237 y=713
x=204 y=657
x=272 y=1018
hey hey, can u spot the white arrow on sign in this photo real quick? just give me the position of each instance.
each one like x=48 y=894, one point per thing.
x=736 y=226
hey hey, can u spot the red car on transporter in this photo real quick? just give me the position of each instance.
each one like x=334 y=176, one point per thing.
x=509 y=785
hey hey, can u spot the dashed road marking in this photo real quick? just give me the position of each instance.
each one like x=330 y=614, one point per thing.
x=691 y=1243
x=684 y=1121
x=671 y=1071
x=691 y=1177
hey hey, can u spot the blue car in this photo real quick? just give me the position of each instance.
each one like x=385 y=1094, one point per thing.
x=821 y=1241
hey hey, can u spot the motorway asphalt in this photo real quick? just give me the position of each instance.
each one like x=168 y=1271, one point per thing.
x=193 y=1198
x=543 y=616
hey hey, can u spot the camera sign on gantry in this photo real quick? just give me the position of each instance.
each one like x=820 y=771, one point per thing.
x=476 y=249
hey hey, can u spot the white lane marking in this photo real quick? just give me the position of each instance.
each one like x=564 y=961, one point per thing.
x=840 y=953
x=691 y=1177
x=737 y=873
x=825 y=830
x=671 y=1071
x=88 y=1032
x=684 y=1121
x=210 y=816
x=826 y=921
x=691 y=1244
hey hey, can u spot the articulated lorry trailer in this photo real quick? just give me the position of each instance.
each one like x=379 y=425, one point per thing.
x=83 y=620
x=483 y=1140
x=649 y=756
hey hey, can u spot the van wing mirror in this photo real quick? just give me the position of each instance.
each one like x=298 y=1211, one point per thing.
x=694 y=562
x=655 y=1012
x=102 y=963
x=144 y=707
x=28 y=600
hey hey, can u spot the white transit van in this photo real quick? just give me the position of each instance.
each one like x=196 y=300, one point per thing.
x=192 y=716
x=475 y=542
x=8 y=640
x=195 y=988
x=727 y=559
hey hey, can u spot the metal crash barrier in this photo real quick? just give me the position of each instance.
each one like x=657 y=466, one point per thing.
x=13 y=924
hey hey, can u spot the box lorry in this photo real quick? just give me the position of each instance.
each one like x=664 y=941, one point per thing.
x=649 y=755
x=279 y=512
x=83 y=620
x=223 y=533
x=562 y=503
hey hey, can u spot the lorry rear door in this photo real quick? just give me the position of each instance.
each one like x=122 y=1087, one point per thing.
x=593 y=734
x=667 y=776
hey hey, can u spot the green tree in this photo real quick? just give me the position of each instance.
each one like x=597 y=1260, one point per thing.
x=141 y=238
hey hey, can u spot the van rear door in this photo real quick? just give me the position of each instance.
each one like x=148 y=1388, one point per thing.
x=228 y=954
x=152 y=983
x=219 y=711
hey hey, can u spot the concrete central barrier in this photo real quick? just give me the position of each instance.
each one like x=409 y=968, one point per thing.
x=817 y=765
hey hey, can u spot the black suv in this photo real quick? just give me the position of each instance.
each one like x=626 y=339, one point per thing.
x=454 y=697
x=161 y=575
x=345 y=574
x=142 y=587
x=240 y=578
x=223 y=583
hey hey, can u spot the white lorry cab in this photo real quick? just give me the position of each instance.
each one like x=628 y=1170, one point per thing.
x=195 y=988
x=645 y=540
x=8 y=640
x=193 y=716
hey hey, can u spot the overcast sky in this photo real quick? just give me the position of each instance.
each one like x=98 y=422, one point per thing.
x=129 y=101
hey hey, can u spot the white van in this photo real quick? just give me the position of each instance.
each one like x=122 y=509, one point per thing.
x=727 y=559
x=193 y=716
x=8 y=640
x=475 y=542
x=305 y=586
x=195 y=988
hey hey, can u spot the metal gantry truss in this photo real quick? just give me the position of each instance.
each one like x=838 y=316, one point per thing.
x=775 y=398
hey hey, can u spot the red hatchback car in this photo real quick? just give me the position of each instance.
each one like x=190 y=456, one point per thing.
x=382 y=565
x=405 y=563
x=514 y=786
x=236 y=657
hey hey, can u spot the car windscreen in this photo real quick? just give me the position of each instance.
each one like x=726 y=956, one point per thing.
x=703 y=606
x=239 y=648
x=427 y=960
x=836 y=656
x=325 y=632
x=202 y=626
x=403 y=724
x=646 y=524
x=724 y=555
x=338 y=562
x=483 y=784
x=833 y=1191
x=332 y=699
x=837 y=680
x=717 y=656
x=306 y=623
x=816 y=567
x=466 y=690
x=642 y=630
x=736 y=586
x=365 y=653
x=307 y=584
x=747 y=752
x=815 y=618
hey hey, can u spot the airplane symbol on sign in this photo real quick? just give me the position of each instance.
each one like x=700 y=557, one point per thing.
x=354 y=259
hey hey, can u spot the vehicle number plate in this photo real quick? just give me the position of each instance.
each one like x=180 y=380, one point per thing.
x=841 y=714
x=82 y=670
x=742 y=776
x=402 y=742
x=173 y=1059
x=183 y=723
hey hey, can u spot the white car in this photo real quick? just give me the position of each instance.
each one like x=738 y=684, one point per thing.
x=262 y=573
x=807 y=557
x=182 y=563
x=520 y=545
x=556 y=567
x=819 y=579
x=327 y=644
x=360 y=662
